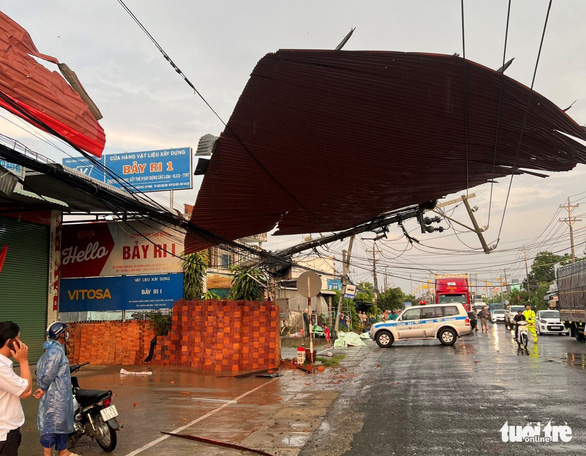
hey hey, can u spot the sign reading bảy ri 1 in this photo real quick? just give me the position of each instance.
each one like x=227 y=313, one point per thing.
x=149 y=171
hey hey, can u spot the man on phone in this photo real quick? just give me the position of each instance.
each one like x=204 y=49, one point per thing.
x=12 y=387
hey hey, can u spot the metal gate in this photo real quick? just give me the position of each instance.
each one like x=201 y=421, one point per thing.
x=24 y=280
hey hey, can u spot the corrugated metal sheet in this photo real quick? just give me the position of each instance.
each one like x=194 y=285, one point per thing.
x=42 y=97
x=323 y=140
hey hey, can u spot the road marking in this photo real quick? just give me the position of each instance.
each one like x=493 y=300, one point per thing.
x=201 y=418
x=205 y=399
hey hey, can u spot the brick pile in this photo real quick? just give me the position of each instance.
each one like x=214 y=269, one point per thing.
x=218 y=336
x=222 y=336
x=109 y=342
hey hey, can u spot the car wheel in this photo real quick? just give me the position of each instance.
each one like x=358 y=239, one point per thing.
x=447 y=336
x=384 y=339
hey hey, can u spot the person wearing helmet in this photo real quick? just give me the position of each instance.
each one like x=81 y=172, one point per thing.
x=55 y=419
x=516 y=319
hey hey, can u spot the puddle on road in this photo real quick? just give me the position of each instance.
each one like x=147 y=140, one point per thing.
x=577 y=360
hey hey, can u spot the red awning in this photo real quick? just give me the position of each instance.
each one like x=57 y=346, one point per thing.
x=40 y=96
x=320 y=141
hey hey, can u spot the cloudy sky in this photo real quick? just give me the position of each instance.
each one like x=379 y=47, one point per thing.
x=146 y=105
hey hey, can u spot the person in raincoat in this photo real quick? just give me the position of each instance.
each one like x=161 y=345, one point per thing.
x=530 y=318
x=55 y=418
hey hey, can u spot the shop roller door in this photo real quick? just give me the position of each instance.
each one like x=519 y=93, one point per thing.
x=24 y=281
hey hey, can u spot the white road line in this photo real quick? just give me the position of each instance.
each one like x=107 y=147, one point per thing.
x=205 y=399
x=201 y=418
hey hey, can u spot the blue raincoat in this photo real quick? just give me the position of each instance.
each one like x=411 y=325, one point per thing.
x=53 y=377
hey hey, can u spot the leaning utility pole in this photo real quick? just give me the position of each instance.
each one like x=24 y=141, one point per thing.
x=570 y=221
x=374 y=275
x=345 y=271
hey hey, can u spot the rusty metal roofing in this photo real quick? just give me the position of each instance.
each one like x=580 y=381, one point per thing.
x=323 y=140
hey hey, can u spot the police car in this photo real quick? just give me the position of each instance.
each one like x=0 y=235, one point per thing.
x=445 y=322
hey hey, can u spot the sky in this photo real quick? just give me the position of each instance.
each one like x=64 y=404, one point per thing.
x=148 y=106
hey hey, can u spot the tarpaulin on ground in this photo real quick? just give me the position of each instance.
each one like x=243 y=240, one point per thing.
x=350 y=339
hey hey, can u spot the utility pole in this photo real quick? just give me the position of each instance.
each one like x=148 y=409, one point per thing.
x=374 y=275
x=345 y=270
x=527 y=273
x=570 y=221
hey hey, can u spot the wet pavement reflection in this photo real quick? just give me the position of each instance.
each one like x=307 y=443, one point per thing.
x=418 y=389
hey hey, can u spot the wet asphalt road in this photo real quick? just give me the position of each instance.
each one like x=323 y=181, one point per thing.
x=424 y=398
x=417 y=397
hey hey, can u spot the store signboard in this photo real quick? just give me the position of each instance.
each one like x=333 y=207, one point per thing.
x=120 y=248
x=152 y=171
x=148 y=171
x=145 y=292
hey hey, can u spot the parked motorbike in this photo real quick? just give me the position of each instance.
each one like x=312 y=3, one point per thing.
x=94 y=414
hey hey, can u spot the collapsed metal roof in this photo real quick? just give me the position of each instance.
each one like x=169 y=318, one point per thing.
x=42 y=97
x=323 y=140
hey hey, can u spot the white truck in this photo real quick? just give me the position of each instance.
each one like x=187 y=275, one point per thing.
x=571 y=280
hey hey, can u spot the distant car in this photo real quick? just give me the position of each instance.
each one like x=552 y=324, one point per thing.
x=445 y=322
x=497 y=315
x=549 y=322
x=510 y=314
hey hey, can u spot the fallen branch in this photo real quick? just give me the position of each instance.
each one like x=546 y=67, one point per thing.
x=217 y=443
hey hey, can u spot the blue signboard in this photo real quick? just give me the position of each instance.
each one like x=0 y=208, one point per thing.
x=145 y=292
x=150 y=171
x=86 y=166
x=334 y=284
x=12 y=167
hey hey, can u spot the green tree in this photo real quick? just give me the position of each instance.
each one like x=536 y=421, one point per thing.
x=194 y=268
x=542 y=275
x=248 y=284
x=392 y=298
x=364 y=292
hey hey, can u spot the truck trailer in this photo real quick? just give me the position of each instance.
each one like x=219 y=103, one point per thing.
x=452 y=288
x=571 y=280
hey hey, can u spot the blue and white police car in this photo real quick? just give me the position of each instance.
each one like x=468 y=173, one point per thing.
x=445 y=322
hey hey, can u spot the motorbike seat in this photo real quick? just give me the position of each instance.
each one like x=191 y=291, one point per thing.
x=88 y=397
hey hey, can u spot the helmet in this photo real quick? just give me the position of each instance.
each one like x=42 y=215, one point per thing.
x=422 y=302
x=519 y=310
x=56 y=329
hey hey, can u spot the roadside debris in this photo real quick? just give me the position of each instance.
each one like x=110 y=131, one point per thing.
x=217 y=443
x=349 y=339
x=125 y=372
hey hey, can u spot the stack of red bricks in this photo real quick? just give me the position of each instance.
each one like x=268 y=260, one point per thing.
x=110 y=342
x=222 y=336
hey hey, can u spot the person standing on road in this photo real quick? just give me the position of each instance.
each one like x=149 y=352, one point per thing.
x=12 y=387
x=306 y=323
x=473 y=320
x=530 y=318
x=55 y=418
x=484 y=316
